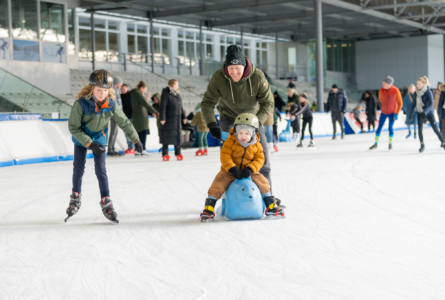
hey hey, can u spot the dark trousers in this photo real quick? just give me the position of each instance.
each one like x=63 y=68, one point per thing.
x=432 y=120
x=143 y=137
x=99 y=166
x=337 y=116
x=307 y=122
x=360 y=122
x=295 y=125
x=227 y=124
x=165 y=150
x=112 y=135
x=275 y=132
x=442 y=127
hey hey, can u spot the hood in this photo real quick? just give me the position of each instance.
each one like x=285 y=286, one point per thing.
x=157 y=95
x=245 y=145
x=247 y=71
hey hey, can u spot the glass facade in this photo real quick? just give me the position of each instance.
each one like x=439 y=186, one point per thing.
x=24 y=19
x=52 y=22
x=4 y=19
x=340 y=55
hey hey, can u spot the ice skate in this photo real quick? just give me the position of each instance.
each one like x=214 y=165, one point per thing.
x=209 y=210
x=311 y=144
x=144 y=153
x=199 y=153
x=206 y=152
x=415 y=135
x=166 y=158
x=300 y=145
x=334 y=137
x=278 y=203
x=342 y=136
x=390 y=147
x=180 y=157
x=271 y=208
x=108 y=209
x=74 y=205
x=275 y=148
x=422 y=148
x=409 y=134
x=373 y=147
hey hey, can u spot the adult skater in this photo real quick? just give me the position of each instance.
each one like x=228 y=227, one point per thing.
x=117 y=84
x=293 y=98
x=337 y=103
x=303 y=108
x=423 y=102
x=242 y=156
x=88 y=123
x=392 y=103
x=441 y=108
x=140 y=109
x=172 y=117
x=371 y=110
x=240 y=88
x=407 y=101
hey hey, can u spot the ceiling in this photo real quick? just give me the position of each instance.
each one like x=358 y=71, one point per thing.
x=293 y=20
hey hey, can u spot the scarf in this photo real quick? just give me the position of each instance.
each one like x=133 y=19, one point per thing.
x=419 y=103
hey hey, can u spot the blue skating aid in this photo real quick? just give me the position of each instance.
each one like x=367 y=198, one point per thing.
x=286 y=135
x=241 y=201
x=224 y=135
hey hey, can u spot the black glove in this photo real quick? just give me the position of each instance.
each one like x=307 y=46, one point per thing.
x=344 y=111
x=215 y=130
x=138 y=147
x=97 y=149
x=236 y=172
x=247 y=172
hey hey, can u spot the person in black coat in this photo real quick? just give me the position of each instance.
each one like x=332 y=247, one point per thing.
x=371 y=109
x=337 y=103
x=172 y=117
x=303 y=108
x=279 y=102
x=293 y=98
x=128 y=111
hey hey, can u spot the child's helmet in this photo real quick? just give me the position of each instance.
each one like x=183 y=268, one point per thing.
x=101 y=78
x=247 y=119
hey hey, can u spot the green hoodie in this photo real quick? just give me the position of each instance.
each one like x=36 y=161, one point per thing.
x=249 y=95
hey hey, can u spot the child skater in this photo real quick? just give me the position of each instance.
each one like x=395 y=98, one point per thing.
x=303 y=107
x=88 y=123
x=241 y=156
x=356 y=112
x=203 y=130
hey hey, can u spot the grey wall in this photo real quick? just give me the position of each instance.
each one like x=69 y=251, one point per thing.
x=406 y=59
x=51 y=77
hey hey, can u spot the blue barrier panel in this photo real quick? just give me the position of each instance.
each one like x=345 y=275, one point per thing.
x=35 y=160
x=20 y=117
x=6 y=163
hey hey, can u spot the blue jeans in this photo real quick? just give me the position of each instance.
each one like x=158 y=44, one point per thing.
x=382 y=121
x=268 y=132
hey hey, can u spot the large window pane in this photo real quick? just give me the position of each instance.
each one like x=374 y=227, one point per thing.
x=190 y=50
x=264 y=59
x=86 y=22
x=165 y=32
x=52 y=22
x=113 y=25
x=113 y=42
x=130 y=27
x=189 y=35
x=142 y=29
x=155 y=30
x=71 y=33
x=180 y=34
x=101 y=46
x=209 y=51
x=84 y=44
x=142 y=44
x=223 y=52
x=166 y=50
x=130 y=45
x=99 y=23
x=4 y=23
x=24 y=19
x=157 y=45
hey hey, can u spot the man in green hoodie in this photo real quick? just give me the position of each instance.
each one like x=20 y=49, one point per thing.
x=239 y=87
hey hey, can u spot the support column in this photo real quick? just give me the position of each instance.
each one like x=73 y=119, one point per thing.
x=152 y=43
x=93 y=42
x=319 y=55
x=276 y=55
x=242 y=39
x=201 y=57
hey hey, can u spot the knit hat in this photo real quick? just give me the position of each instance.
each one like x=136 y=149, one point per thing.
x=389 y=80
x=117 y=80
x=335 y=86
x=303 y=95
x=235 y=56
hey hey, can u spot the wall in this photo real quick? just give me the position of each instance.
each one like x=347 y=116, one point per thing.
x=302 y=59
x=405 y=59
x=435 y=59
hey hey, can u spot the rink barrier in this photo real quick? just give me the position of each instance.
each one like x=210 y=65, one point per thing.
x=27 y=139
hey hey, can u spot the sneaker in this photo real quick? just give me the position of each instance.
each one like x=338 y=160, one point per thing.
x=205 y=152
x=199 y=153
x=166 y=158
x=373 y=147
x=275 y=148
x=180 y=157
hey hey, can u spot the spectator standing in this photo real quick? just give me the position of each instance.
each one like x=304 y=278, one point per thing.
x=407 y=101
x=117 y=84
x=291 y=85
x=126 y=107
x=337 y=103
x=371 y=110
x=279 y=102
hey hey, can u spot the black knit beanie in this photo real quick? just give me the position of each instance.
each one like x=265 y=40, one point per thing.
x=235 y=56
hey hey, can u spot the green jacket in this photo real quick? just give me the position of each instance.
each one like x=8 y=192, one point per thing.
x=249 y=95
x=140 y=107
x=88 y=122
x=157 y=106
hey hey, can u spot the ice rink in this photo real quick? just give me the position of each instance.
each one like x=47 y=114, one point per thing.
x=360 y=225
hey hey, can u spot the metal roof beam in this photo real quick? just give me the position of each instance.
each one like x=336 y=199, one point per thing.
x=100 y=2
x=381 y=15
x=421 y=16
x=218 y=7
x=407 y=4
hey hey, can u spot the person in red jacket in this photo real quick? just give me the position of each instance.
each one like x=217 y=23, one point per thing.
x=392 y=103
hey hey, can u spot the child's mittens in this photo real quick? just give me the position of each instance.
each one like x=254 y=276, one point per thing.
x=247 y=172
x=236 y=172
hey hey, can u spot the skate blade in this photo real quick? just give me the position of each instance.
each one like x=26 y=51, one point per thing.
x=206 y=220
x=282 y=206
x=115 y=221
x=69 y=217
x=279 y=217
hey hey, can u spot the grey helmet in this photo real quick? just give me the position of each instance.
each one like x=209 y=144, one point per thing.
x=101 y=78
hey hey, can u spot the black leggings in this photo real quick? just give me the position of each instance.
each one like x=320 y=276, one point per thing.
x=275 y=132
x=305 y=122
x=165 y=150
x=143 y=137
x=421 y=118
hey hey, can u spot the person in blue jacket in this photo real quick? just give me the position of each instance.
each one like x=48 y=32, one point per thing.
x=337 y=103
x=407 y=101
x=441 y=108
x=423 y=102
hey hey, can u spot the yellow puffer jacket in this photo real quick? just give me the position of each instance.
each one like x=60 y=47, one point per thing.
x=233 y=154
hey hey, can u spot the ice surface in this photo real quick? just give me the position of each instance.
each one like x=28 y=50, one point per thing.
x=360 y=225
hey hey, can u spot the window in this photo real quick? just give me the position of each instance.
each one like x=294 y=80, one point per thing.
x=162 y=45
x=340 y=55
x=209 y=51
x=180 y=34
x=24 y=19
x=52 y=22
x=191 y=44
x=113 y=25
x=85 y=44
x=113 y=42
x=131 y=42
x=4 y=21
x=261 y=55
x=142 y=29
x=86 y=22
x=107 y=39
x=99 y=23
x=142 y=44
x=71 y=33
x=130 y=27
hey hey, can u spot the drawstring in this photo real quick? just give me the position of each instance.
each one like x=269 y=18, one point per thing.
x=251 y=92
x=231 y=90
